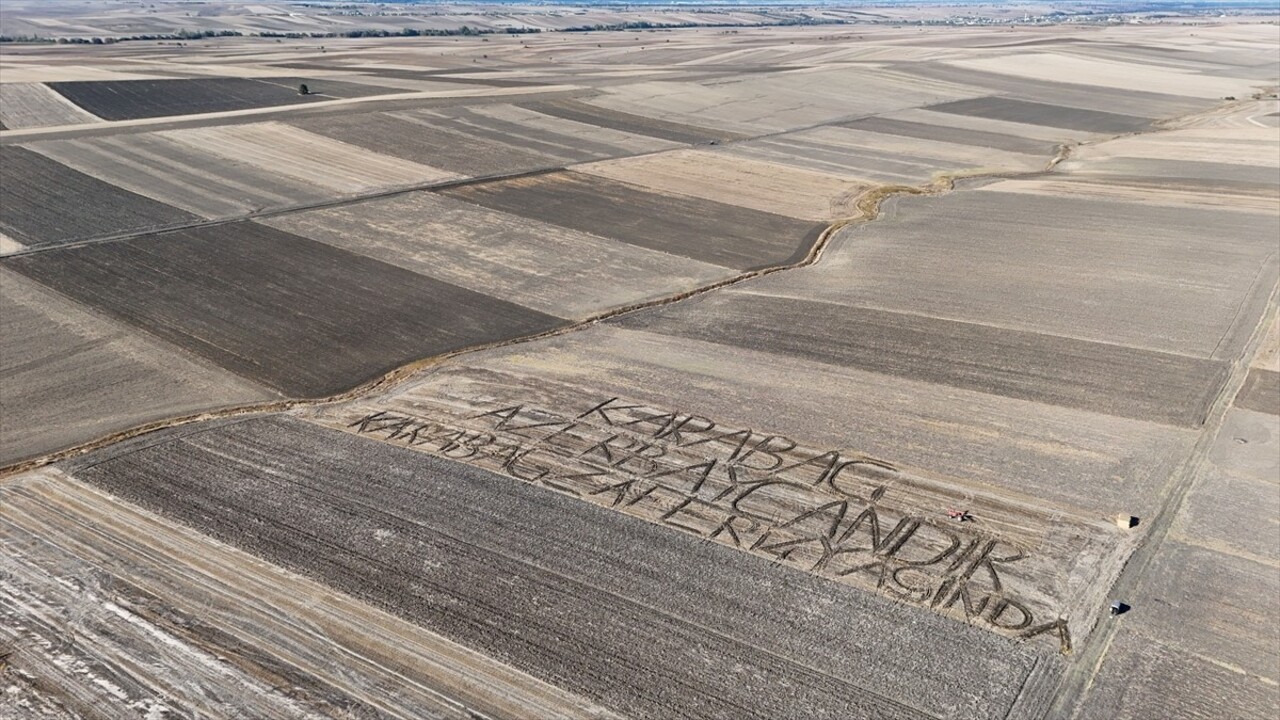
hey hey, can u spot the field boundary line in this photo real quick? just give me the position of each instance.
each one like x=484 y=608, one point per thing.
x=1078 y=679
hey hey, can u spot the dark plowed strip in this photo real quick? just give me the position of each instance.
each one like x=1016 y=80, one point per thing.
x=1033 y=113
x=627 y=122
x=1113 y=379
x=1261 y=392
x=1127 y=102
x=700 y=229
x=132 y=99
x=924 y=131
x=646 y=620
x=43 y=202
x=303 y=317
x=420 y=142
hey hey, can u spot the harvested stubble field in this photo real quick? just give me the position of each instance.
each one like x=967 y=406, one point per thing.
x=628 y=122
x=50 y=345
x=1033 y=113
x=281 y=149
x=647 y=621
x=1117 y=380
x=545 y=267
x=133 y=99
x=183 y=174
x=730 y=504
x=765 y=186
x=879 y=158
x=701 y=230
x=222 y=630
x=566 y=140
x=26 y=105
x=422 y=140
x=1004 y=260
x=299 y=316
x=47 y=203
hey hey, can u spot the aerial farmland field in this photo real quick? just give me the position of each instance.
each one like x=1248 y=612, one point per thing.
x=909 y=361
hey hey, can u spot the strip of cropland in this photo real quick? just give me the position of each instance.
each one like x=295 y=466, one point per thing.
x=134 y=99
x=615 y=609
x=302 y=317
x=48 y=203
x=701 y=230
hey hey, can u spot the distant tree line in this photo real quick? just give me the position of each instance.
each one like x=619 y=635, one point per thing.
x=180 y=35
x=648 y=25
x=465 y=30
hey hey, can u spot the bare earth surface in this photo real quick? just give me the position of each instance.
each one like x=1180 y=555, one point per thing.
x=634 y=374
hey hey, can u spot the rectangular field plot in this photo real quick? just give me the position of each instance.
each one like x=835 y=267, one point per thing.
x=133 y=99
x=1261 y=391
x=960 y=136
x=1138 y=384
x=585 y=112
x=703 y=230
x=1038 y=452
x=1034 y=113
x=282 y=149
x=32 y=105
x=722 y=177
x=47 y=203
x=1118 y=273
x=781 y=101
x=296 y=315
x=551 y=269
x=179 y=174
x=96 y=377
x=1144 y=678
x=141 y=588
x=645 y=620
x=881 y=158
x=567 y=140
x=417 y=138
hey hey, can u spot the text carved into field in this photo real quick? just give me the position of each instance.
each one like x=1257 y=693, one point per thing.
x=826 y=512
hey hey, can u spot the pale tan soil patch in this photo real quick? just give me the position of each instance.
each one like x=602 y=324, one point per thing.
x=29 y=105
x=9 y=245
x=21 y=72
x=724 y=178
x=297 y=153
